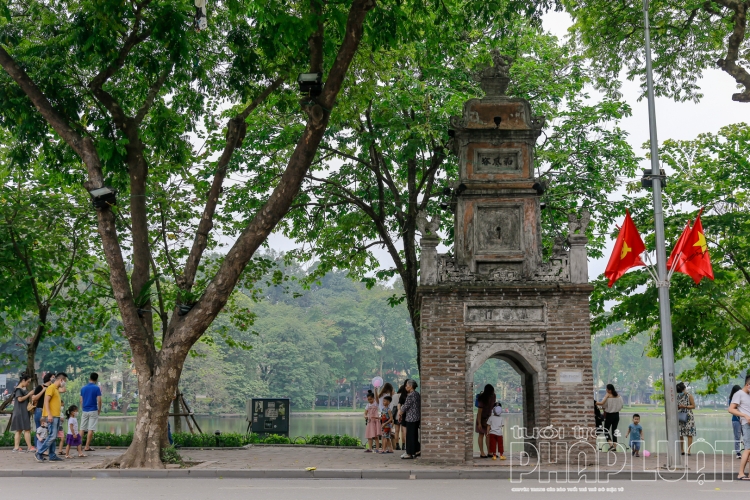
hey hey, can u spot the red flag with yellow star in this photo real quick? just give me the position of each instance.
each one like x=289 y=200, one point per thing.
x=695 y=261
x=679 y=248
x=627 y=252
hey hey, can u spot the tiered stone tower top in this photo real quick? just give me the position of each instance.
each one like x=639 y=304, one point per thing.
x=497 y=223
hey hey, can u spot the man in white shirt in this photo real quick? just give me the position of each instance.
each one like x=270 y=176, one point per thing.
x=740 y=406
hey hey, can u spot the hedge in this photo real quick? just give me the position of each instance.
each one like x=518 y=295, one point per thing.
x=227 y=439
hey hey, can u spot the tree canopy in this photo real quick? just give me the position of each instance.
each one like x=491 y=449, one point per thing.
x=687 y=38
x=711 y=320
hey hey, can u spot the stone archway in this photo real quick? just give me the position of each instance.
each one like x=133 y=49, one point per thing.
x=529 y=360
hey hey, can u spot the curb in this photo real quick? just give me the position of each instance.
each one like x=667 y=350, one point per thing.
x=550 y=477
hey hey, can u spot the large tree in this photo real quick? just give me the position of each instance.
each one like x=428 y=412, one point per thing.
x=687 y=38
x=710 y=320
x=387 y=159
x=126 y=85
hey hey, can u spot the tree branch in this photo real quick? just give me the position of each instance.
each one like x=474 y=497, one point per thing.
x=86 y=150
x=189 y=328
x=133 y=39
x=153 y=91
x=729 y=63
x=235 y=134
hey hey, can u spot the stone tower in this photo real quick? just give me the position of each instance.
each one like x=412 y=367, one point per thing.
x=495 y=297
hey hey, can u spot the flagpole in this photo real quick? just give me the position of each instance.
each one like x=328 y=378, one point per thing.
x=662 y=284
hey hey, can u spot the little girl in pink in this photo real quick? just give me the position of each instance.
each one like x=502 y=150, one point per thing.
x=372 y=416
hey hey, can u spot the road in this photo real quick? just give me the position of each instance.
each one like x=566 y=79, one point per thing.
x=327 y=489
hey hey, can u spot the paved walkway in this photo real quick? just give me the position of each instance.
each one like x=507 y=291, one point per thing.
x=299 y=458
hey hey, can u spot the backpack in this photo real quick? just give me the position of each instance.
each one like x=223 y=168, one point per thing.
x=476 y=401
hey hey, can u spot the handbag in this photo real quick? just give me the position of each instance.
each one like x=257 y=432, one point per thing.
x=30 y=406
x=682 y=417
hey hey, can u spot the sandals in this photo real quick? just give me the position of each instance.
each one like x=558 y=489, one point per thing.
x=82 y=455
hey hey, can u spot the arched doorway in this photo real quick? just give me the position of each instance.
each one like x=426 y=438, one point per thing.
x=528 y=361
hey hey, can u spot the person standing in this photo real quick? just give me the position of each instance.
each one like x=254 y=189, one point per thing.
x=495 y=427
x=740 y=407
x=91 y=408
x=411 y=412
x=685 y=406
x=372 y=418
x=612 y=404
x=51 y=414
x=38 y=400
x=736 y=425
x=399 y=430
x=485 y=402
x=20 y=420
x=635 y=431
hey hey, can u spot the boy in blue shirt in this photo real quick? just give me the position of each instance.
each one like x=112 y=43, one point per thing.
x=91 y=408
x=635 y=431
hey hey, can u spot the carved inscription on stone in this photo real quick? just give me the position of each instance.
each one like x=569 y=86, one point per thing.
x=498 y=229
x=504 y=314
x=490 y=161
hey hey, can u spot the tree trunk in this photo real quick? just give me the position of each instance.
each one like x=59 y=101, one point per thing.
x=32 y=347
x=354 y=396
x=150 y=435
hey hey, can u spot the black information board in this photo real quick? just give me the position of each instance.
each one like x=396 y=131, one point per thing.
x=269 y=416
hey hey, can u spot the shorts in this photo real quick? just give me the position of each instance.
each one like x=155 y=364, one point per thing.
x=635 y=445
x=746 y=436
x=89 y=420
x=73 y=440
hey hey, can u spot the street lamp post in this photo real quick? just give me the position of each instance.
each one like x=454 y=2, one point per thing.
x=667 y=348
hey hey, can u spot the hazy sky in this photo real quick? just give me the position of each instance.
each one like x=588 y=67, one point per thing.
x=675 y=121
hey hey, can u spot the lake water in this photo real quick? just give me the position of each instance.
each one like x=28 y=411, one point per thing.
x=710 y=427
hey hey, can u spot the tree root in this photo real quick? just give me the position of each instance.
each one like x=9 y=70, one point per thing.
x=112 y=463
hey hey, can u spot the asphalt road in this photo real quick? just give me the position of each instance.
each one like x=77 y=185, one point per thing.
x=332 y=489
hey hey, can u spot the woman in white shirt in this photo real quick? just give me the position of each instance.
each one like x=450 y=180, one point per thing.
x=612 y=404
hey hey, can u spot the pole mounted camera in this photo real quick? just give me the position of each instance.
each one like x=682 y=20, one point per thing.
x=103 y=197
x=647 y=181
x=310 y=84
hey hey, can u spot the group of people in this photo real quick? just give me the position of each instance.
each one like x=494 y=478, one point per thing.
x=612 y=403
x=489 y=424
x=393 y=424
x=43 y=407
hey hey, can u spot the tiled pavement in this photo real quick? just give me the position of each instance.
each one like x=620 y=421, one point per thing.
x=299 y=458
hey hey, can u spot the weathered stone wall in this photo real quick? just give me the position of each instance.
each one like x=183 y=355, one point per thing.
x=552 y=351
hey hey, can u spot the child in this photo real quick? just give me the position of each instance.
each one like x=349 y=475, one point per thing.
x=372 y=417
x=42 y=432
x=386 y=421
x=635 y=431
x=495 y=423
x=74 y=437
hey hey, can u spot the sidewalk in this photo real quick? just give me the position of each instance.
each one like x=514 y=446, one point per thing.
x=292 y=462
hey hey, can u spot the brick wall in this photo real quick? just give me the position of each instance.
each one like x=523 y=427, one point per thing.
x=447 y=395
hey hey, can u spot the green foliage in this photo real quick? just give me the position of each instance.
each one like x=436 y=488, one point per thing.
x=170 y=455
x=7 y=439
x=386 y=153
x=275 y=439
x=305 y=342
x=51 y=284
x=504 y=379
x=687 y=38
x=711 y=320
x=111 y=439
